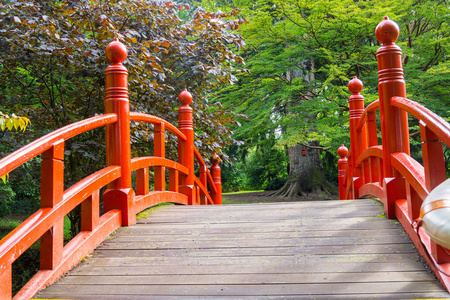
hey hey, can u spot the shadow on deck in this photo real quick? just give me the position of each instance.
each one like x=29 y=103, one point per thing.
x=311 y=250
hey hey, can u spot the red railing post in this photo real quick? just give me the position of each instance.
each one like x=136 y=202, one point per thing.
x=342 y=166
x=160 y=151
x=6 y=282
x=434 y=168
x=52 y=190
x=204 y=180
x=375 y=166
x=358 y=140
x=394 y=121
x=186 y=149
x=215 y=173
x=119 y=194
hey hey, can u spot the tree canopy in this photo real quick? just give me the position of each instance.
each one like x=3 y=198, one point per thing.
x=301 y=54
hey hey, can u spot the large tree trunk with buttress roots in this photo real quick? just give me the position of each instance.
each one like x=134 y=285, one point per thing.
x=306 y=174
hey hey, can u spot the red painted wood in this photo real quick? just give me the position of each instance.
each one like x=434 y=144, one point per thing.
x=24 y=154
x=160 y=151
x=369 y=110
x=6 y=282
x=120 y=202
x=174 y=182
x=144 y=201
x=134 y=116
x=203 y=181
x=356 y=109
x=119 y=194
x=342 y=165
x=433 y=157
x=422 y=243
x=202 y=193
x=52 y=189
x=395 y=177
x=152 y=161
x=215 y=172
x=186 y=149
x=142 y=181
x=438 y=125
x=209 y=178
x=90 y=212
x=74 y=251
x=394 y=122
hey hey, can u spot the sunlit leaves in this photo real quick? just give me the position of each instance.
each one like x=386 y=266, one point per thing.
x=13 y=122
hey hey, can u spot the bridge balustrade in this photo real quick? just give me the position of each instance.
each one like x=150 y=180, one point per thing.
x=387 y=170
x=121 y=202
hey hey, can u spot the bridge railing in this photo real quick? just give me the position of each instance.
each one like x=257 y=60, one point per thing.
x=121 y=202
x=387 y=170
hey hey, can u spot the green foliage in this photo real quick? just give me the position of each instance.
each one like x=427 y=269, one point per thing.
x=301 y=54
x=6 y=199
x=263 y=167
x=52 y=66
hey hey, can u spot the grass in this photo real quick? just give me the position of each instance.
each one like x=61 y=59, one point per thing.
x=146 y=212
x=242 y=192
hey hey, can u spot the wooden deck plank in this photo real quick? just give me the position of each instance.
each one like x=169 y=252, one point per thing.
x=307 y=250
x=245 y=289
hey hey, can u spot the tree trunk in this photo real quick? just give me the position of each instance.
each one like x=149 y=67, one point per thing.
x=306 y=174
x=305 y=168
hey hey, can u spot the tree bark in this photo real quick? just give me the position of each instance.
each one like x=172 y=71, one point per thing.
x=306 y=174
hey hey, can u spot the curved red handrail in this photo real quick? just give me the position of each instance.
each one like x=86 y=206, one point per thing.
x=374 y=151
x=24 y=154
x=204 y=190
x=22 y=237
x=438 y=125
x=134 y=116
x=154 y=161
x=208 y=173
x=412 y=171
x=375 y=105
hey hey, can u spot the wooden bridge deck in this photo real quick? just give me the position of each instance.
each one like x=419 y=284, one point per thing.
x=310 y=250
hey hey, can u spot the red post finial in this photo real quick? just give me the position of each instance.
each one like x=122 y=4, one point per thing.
x=116 y=52
x=342 y=151
x=355 y=86
x=215 y=159
x=387 y=31
x=185 y=97
x=342 y=166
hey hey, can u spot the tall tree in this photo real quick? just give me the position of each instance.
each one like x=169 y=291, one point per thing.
x=301 y=55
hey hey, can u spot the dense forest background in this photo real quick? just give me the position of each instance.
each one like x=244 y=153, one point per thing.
x=269 y=80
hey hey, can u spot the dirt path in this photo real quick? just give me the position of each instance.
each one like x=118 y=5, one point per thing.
x=264 y=197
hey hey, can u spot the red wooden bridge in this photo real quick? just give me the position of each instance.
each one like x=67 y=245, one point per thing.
x=311 y=250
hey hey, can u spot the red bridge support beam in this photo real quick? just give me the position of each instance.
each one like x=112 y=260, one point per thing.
x=394 y=121
x=186 y=149
x=119 y=194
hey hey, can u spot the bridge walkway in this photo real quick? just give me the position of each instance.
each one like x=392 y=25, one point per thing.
x=298 y=250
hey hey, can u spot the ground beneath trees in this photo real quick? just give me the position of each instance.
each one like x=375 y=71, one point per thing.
x=264 y=197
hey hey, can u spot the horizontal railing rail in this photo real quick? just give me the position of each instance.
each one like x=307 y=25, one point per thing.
x=24 y=154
